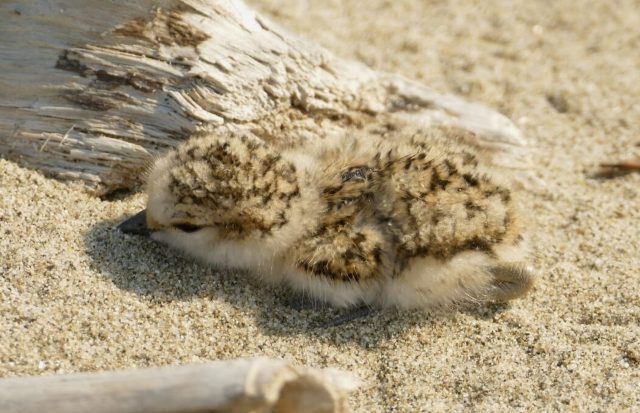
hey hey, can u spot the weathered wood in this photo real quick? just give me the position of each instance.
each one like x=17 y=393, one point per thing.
x=236 y=386
x=92 y=90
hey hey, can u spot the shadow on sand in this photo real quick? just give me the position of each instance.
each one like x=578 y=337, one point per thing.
x=157 y=273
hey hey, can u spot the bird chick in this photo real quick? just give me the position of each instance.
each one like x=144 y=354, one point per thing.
x=405 y=221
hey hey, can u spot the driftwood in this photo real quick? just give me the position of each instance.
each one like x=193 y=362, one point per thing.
x=93 y=90
x=237 y=386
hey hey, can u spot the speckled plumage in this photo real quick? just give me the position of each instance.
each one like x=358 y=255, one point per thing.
x=401 y=219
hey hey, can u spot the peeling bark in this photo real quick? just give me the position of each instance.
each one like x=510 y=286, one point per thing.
x=93 y=90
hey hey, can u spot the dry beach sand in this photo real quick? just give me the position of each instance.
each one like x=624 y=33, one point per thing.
x=75 y=295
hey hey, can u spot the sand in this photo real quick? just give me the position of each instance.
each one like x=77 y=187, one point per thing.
x=75 y=295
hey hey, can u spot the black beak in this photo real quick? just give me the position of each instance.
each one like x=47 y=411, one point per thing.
x=136 y=225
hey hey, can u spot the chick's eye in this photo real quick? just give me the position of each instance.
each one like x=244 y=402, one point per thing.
x=187 y=227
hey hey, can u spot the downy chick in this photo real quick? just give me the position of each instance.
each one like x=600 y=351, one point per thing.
x=408 y=221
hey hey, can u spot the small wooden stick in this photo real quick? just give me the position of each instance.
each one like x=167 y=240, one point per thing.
x=224 y=386
x=633 y=165
x=613 y=169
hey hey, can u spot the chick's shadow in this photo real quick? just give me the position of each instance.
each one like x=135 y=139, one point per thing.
x=153 y=271
x=157 y=273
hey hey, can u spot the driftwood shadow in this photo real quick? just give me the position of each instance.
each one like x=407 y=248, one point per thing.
x=155 y=272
